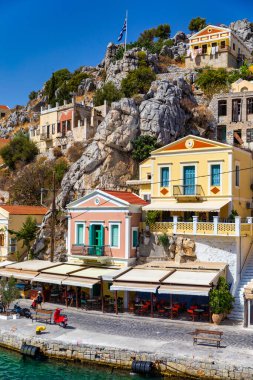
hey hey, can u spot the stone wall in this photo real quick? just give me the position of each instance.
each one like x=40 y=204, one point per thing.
x=167 y=365
x=223 y=59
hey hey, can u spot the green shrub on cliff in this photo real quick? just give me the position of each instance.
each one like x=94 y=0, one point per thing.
x=137 y=81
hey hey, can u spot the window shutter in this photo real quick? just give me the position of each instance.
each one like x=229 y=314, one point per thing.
x=114 y=235
x=215 y=175
x=80 y=234
x=135 y=238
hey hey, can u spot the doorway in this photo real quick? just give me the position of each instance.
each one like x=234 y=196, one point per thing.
x=96 y=240
x=189 y=180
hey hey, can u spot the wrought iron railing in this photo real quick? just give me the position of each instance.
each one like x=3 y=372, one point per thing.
x=188 y=190
x=90 y=250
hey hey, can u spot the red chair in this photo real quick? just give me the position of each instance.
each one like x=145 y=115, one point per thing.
x=161 y=311
x=144 y=309
x=131 y=308
x=192 y=314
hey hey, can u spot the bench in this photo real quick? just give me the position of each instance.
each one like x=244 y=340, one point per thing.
x=207 y=336
x=42 y=315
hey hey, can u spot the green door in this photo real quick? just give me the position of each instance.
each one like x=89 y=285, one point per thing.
x=96 y=238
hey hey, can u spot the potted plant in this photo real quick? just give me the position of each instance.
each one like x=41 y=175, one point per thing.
x=8 y=294
x=220 y=301
x=152 y=217
x=164 y=241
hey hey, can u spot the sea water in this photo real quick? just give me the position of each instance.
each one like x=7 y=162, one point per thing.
x=14 y=366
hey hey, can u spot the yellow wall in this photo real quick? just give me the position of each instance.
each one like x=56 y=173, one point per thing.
x=244 y=85
x=202 y=158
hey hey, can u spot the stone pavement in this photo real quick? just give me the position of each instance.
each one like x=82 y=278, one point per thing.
x=156 y=336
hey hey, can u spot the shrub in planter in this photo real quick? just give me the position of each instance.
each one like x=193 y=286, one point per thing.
x=221 y=301
x=164 y=240
x=152 y=217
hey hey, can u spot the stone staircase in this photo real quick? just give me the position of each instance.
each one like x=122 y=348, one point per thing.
x=247 y=276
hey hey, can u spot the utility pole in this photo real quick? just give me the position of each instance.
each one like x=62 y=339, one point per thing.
x=52 y=237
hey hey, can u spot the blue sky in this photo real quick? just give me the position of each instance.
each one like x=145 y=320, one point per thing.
x=39 y=37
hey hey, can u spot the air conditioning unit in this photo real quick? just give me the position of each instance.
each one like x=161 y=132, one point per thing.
x=249 y=205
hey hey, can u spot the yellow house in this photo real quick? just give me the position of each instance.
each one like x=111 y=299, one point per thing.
x=216 y=46
x=12 y=217
x=242 y=85
x=197 y=177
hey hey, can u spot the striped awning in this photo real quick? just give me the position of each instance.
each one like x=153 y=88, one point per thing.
x=208 y=206
x=134 y=287
x=184 y=290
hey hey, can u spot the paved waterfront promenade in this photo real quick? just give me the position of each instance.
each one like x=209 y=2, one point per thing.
x=141 y=334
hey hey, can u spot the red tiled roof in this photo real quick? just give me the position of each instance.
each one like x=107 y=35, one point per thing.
x=127 y=196
x=4 y=107
x=24 y=210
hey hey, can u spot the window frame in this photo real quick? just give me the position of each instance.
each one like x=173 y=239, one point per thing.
x=211 y=173
x=111 y=224
x=135 y=229
x=249 y=106
x=237 y=174
x=161 y=176
x=221 y=107
x=76 y=232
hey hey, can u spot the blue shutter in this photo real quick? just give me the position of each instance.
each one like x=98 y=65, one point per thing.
x=135 y=238
x=80 y=234
x=215 y=175
x=189 y=180
x=114 y=235
x=164 y=177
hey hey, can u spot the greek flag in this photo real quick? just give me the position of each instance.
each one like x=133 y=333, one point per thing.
x=123 y=30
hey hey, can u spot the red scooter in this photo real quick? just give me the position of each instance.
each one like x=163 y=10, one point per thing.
x=60 y=319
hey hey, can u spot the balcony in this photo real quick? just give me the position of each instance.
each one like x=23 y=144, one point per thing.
x=45 y=137
x=90 y=250
x=215 y=228
x=188 y=192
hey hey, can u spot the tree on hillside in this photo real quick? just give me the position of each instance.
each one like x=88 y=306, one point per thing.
x=27 y=233
x=19 y=150
x=143 y=146
x=196 y=24
x=137 y=81
x=108 y=92
x=163 y=31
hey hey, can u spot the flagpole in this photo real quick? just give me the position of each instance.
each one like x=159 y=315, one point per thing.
x=126 y=30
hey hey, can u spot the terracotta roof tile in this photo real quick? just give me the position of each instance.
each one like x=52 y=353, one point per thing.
x=4 y=107
x=127 y=196
x=24 y=210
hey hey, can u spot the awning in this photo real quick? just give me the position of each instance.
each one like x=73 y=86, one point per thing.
x=84 y=283
x=134 y=287
x=209 y=206
x=185 y=290
x=20 y=275
x=144 y=275
x=192 y=278
x=32 y=265
x=49 y=278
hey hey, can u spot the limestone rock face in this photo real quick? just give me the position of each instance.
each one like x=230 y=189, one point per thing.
x=117 y=70
x=244 y=29
x=162 y=115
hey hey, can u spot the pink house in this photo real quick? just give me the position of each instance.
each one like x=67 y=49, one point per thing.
x=104 y=225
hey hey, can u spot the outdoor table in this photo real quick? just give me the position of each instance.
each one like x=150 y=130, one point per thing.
x=199 y=311
x=92 y=302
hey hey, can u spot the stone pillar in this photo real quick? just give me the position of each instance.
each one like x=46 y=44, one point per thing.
x=249 y=219
x=175 y=218
x=237 y=225
x=215 y=225
x=195 y=223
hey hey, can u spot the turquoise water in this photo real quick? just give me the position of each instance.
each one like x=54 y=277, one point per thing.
x=14 y=367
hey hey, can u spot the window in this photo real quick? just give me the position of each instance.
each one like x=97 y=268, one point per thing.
x=53 y=129
x=114 y=235
x=222 y=133
x=249 y=135
x=233 y=46
x=79 y=233
x=236 y=110
x=135 y=237
x=1 y=240
x=148 y=176
x=58 y=127
x=2 y=114
x=204 y=49
x=164 y=177
x=215 y=175
x=223 y=44
x=68 y=125
x=12 y=245
x=237 y=175
x=249 y=106
x=222 y=108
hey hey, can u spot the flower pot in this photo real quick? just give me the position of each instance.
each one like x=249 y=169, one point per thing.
x=217 y=318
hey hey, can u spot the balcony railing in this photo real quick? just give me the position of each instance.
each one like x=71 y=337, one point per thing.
x=195 y=191
x=45 y=137
x=215 y=228
x=90 y=250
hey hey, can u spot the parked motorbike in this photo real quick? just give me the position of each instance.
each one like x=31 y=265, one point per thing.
x=60 y=319
x=22 y=311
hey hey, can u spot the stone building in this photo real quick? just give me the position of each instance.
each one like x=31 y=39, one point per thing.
x=216 y=47
x=233 y=113
x=60 y=126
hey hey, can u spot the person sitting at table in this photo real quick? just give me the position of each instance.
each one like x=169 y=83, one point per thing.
x=137 y=299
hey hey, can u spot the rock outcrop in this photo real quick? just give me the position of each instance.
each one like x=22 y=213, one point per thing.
x=244 y=29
